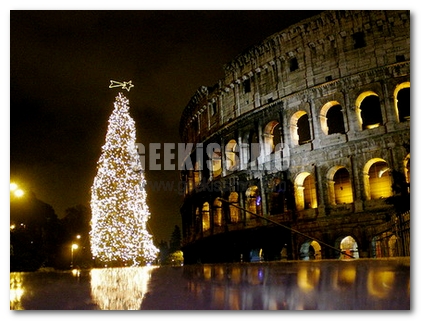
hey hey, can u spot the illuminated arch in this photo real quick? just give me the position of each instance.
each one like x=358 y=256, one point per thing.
x=368 y=110
x=331 y=118
x=305 y=191
x=216 y=162
x=231 y=155
x=300 y=128
x=271 y=137
x=253 y=201
x=339 y=186
x=234 y=211
x=347 y=245
x=310 y=250
x=401 y=97
x=377 y=179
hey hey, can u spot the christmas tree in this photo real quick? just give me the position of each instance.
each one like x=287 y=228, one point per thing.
x=118 y=197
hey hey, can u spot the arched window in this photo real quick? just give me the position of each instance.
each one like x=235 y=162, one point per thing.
x=335 y=121
x=205 y=217
x=310 y=197
x=234 y=211
x=231 y=155
x=331 y=118
x=304 y=136
x=368 y=110
x=272 y=137
x=349 y=247
x=305 y=191
x=310 y=250
x=254 y=201
x=402 y=101
x=217 y=212
x=216 y=162
x=300 y=128
x=342 y=187
x=377 y=179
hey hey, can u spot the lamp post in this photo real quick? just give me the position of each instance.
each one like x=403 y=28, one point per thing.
x=73 y=247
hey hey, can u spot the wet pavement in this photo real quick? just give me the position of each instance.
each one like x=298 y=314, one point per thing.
x=363 y=284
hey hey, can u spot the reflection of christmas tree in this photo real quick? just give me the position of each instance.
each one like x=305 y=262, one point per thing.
x=118 y=197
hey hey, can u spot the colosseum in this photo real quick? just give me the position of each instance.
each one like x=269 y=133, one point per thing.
x=302 y=151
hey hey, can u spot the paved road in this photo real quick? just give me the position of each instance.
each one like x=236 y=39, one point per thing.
x=363 y=284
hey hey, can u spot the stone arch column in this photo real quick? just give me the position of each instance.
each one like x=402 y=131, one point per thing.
x=331 y=191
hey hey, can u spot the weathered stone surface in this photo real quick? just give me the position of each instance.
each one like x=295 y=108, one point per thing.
x=357 y=60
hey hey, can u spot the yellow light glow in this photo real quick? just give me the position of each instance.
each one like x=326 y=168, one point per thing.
x=120 y=288
x=75 y=246
x=13 y=187
x=19 y=193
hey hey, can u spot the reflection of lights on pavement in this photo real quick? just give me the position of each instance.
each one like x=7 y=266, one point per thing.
x=120 y=288
x=16 y=291
x=260 y=274
x=380 y=283
x=307 y=278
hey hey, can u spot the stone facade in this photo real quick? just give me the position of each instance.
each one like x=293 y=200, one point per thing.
x=298 y=148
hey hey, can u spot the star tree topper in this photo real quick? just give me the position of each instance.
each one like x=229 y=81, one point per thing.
x=124 y=85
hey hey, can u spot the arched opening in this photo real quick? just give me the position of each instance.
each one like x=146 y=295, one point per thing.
x=272 y=137
x=253 y=201
x=310 y=250
x=305 y=191
x=342 y=187
x=335 y=120
x=348 y=247
x=331 y=118
x=303 y=125
x=377 y=179
x=216 y=162
x=231 y=154
x=234 y=211
x=205 y=217
x=368 y=110
x=300 y=128
x=217 y=212
x=402 y=101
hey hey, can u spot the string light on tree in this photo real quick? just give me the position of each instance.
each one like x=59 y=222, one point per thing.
x=118 y=197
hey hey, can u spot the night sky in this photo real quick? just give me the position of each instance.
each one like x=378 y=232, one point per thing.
x=61 y=64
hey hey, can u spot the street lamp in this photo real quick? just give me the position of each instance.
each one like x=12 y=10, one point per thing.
x=74 y=247
x=16 y=190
